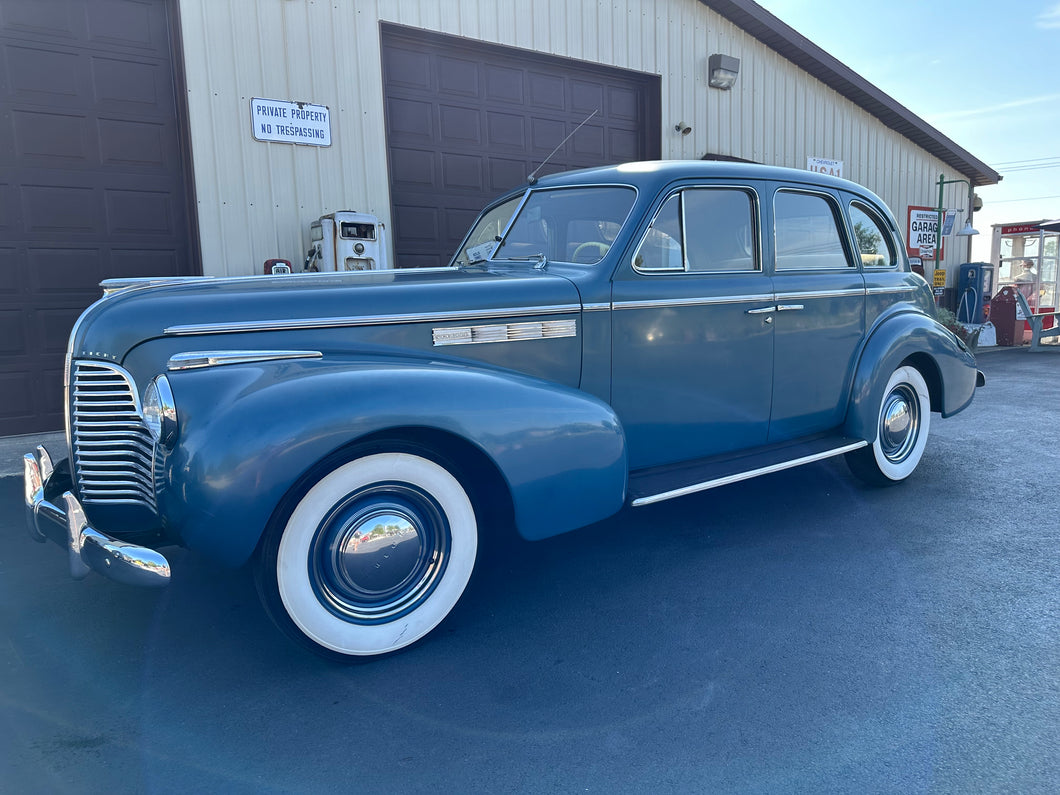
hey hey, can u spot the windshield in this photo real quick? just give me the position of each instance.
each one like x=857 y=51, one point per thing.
x=576 y=225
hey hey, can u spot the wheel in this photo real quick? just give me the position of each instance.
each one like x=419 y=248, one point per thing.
x=904 y=420
x=372 y=557
x=601 y=249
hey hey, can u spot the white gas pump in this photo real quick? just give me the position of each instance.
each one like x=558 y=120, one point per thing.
x=347 y=241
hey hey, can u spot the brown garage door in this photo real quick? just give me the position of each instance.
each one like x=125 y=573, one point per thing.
x=466 y=121
x=91 y=179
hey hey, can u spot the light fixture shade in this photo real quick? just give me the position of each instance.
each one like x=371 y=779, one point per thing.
x=722 y=71
x=968 y=230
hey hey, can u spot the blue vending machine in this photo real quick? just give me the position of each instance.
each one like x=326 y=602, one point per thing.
x=975 y=286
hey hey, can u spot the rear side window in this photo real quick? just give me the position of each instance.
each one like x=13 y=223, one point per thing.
x=808 y=233
x=874 y=240
x=703 y=230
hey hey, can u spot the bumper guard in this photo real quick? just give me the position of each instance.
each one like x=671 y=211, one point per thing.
x=66 y=525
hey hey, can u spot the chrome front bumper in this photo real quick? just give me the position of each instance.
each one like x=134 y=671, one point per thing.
x=66 y=525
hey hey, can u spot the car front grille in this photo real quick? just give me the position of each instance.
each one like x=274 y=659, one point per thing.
x=113 y=450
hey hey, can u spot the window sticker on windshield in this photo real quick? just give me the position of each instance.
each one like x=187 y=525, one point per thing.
x=481 y=252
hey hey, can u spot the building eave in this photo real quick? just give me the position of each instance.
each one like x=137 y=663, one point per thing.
x=802 y=52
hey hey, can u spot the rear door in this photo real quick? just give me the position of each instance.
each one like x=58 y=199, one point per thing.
x=820 y=318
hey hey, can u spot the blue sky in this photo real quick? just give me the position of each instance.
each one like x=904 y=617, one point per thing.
x=986 y=74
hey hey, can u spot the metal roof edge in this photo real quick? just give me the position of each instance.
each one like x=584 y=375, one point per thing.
x=792 y=45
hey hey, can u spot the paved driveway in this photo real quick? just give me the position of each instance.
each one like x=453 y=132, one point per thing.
x=797 y=633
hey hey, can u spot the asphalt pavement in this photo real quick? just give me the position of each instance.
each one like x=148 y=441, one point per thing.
x=794 y=633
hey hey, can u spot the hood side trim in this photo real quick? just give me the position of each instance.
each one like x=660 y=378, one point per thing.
x=237 y=327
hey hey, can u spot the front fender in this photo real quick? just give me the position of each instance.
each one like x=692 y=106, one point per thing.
x=249 y=432
x=946 y=364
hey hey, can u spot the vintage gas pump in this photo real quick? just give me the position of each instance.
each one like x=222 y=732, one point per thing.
x=347 y=241
x=975 y=286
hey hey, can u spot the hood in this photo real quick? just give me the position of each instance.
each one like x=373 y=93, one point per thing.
x=111 y=327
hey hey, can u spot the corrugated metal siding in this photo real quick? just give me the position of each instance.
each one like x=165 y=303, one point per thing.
x=256 y=200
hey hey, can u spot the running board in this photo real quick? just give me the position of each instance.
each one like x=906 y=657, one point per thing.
x=665 y=483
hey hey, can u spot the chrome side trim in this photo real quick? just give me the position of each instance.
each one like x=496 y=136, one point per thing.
x=665 y=303
x=193 y=360
x=505 y=332
x=753 y=473
x=110 y=286
x=905 y=288
x=859 y=292
x=366 y=320
x=596 y=307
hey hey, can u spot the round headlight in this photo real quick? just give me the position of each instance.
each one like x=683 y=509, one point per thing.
x=159 y=411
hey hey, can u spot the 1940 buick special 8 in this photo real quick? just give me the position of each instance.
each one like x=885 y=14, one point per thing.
x=602 y=338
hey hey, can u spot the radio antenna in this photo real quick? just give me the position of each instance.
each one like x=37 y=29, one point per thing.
x=533 y=174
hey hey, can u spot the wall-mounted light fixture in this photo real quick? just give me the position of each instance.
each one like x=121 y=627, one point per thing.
x=682 y=128
x=722 y=71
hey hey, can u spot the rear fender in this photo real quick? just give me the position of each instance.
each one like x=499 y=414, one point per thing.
x=916 y=339
x=248 y=433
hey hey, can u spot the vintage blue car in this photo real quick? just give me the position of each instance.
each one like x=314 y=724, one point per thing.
x=602 y=338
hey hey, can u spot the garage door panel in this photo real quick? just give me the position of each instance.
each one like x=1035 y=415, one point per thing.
x=43 y=74
x=459 y=125
x=409 y=68
x=139 y=263
x=38 y=134
x=139 y=212
x=506 y=131
x=621 y=104
x=51 y=19
x=62 y=271
x=12 y=332
x=506 y=173
x=129 y=23
x=128 y=83
x=16 y=397
x=127 y=142
x=463 y=172
x=410 y=121
x=587 y=97
x=546 y=91
x=412 y=168
x=10 y=274
x=504 y=84
x=62 y=210
x=458 y=76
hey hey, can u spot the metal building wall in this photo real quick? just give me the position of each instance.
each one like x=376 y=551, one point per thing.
x=256 y=200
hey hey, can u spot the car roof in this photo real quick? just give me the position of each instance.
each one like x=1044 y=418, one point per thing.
x=657 y=173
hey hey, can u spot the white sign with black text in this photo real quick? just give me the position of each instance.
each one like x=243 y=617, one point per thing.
x=279 y=121
x=820 y=165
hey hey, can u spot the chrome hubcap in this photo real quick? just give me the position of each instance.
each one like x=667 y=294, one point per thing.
x=379 y=553
x=899 y=423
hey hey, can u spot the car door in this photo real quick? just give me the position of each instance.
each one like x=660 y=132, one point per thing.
x=820 y=319
x=692 y=322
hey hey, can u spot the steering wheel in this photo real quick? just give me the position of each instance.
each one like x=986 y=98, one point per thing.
x=601 y=249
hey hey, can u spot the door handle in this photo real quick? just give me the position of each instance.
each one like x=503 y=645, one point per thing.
x=766 y=310
x=790 y=307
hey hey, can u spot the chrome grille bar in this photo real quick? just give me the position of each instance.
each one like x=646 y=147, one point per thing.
x=113 y=450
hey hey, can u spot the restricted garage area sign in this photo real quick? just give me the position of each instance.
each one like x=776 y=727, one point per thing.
x=922 y=233
x=279 y=121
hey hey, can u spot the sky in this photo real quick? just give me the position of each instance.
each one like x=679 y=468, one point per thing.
x=984 y=73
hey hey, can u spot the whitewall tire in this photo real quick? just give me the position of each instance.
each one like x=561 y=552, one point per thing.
x=903 y=421
x=373 y=556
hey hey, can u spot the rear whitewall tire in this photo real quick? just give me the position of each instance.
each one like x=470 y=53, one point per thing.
x=902 y=425
x=338 y=604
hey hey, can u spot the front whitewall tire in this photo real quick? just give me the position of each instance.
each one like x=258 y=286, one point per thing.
x=433 y=592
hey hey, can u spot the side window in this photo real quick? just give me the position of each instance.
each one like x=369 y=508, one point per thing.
x=807 y=233
x=701 y=230
x=719 y=230
x=660 y=250
x=875 y=244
